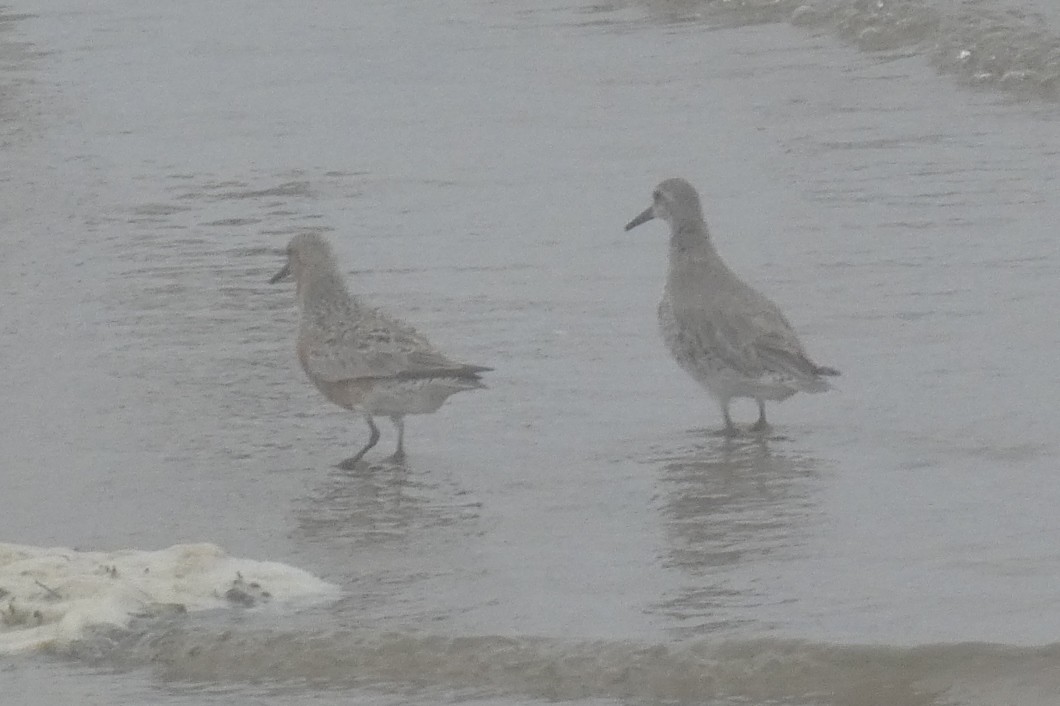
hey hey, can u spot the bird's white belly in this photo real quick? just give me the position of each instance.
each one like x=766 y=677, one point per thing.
x=398 y=397
x=392 y=396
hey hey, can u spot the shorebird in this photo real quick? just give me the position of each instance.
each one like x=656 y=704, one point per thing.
x=360 y=358
x=731 y=339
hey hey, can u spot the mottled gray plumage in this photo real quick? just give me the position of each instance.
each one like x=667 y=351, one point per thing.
x=728 y=337
x=360 y=358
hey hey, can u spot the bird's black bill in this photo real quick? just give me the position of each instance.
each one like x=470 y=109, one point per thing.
x=645 y=216
x=282 y=274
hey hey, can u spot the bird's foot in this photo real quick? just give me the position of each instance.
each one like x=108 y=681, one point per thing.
x=761 y=427
x=350 y=464
x=395 y=459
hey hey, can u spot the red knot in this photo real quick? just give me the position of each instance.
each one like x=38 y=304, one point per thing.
x=359 y=357
x=731 y=339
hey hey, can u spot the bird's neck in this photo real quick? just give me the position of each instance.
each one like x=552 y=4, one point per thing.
x=324 y=292
x=690 y=243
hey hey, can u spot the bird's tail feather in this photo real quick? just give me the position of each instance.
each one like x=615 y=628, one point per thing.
x=804 y=374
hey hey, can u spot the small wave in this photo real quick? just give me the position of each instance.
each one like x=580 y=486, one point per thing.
x=1008 y=49
x=54 y=596
x=702 y=671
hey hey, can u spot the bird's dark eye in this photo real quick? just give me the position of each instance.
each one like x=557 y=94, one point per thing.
x=656 y=195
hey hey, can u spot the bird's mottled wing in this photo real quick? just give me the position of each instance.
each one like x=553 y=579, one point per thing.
x=751 y=337
x=370 y=344
x=334 y=356
x=704 y=331
x=776 y=346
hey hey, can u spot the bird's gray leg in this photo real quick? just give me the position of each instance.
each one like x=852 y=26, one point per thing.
x=730 y=428
x=399 y=424
x=349 y=463
x=761 y=424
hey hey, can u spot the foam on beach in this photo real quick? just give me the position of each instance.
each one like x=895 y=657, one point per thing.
x=52 y=596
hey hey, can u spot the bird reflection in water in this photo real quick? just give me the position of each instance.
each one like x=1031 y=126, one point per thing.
x=734 y=511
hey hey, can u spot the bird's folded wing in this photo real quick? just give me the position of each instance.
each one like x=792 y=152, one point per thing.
x=332 y=360
x=715 y=333
x=378 y=348
x=751 y=342
x=429 y=363
x=778 y=348
x=780 y=359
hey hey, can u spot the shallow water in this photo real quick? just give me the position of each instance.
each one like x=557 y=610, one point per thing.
x=574 y=532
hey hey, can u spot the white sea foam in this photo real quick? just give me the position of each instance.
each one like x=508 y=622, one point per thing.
x=51 y=596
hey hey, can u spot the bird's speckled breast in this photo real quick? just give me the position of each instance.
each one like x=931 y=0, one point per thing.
x=684 y=345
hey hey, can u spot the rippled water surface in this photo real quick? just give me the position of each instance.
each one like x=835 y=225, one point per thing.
x=886 y=172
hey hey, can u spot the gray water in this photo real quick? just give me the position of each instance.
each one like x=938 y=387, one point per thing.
x=574 y=532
